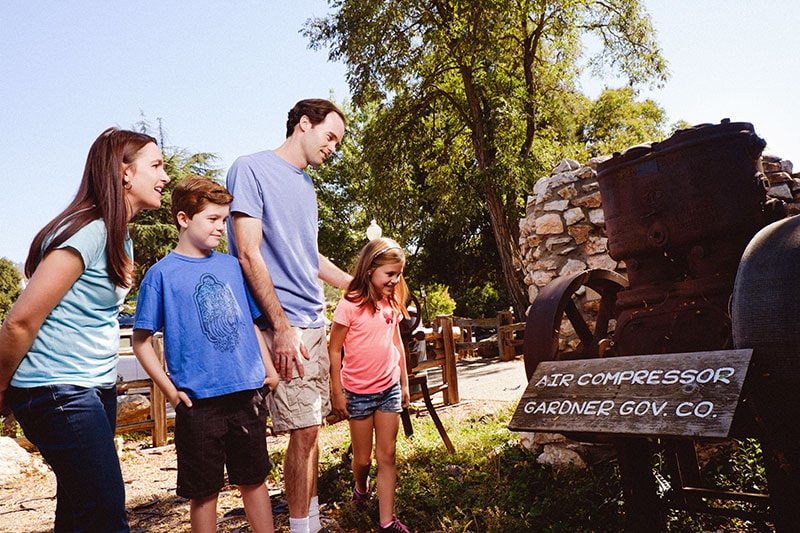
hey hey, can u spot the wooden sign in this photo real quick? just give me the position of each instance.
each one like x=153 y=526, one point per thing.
x=685 y=394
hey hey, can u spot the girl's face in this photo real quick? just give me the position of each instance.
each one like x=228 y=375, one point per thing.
x=385 y=277
x=144 y=180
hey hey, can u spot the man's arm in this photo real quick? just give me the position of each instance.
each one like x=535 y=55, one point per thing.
x=287 y=349
x=330 y=273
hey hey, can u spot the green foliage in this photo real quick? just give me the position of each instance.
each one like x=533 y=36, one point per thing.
x=490 y=484
x=493 y=485
x=481 y=301
x=153 y=231
x=616 y=121
x=737 y=466
x=459 y=107
x=438 y=300
x=10 y=286
x=679 y=125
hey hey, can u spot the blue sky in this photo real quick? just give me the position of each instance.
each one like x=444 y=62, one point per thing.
x=222 y=75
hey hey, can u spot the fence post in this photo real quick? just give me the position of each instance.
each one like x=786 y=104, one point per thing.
x=504 y=347
x=450 y=370
x=158 y=402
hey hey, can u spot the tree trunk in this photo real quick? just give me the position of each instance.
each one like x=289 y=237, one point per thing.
x=508 y=249
x=507 y=246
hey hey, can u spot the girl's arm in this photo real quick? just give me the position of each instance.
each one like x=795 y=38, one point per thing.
x=338 y=401
x=146 y=354
x=52 y=279
x=398 y=342
x=272 y=376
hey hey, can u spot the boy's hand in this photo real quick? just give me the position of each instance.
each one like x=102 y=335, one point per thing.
x=180 y=398
x=272 y=382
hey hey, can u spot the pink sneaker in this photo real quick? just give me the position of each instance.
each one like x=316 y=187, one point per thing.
x=360 y=499
x=396 y=526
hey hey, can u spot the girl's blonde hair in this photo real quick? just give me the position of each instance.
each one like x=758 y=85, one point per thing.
x=376 y=253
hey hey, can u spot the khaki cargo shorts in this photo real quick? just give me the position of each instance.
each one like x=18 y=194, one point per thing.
x=303 y=402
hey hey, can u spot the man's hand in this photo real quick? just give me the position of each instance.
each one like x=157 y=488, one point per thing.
x=287 y=351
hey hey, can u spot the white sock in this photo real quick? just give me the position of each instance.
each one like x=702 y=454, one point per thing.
x=298 y=525
x=314 y=524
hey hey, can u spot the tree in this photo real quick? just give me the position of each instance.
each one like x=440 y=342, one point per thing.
x=153 y=231
x=471 y=101
x=616 y=121
x=10 y=286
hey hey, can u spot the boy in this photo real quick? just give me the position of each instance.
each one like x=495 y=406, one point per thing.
x=217 y=359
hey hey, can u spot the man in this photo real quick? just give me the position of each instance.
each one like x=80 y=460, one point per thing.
x=273 y=231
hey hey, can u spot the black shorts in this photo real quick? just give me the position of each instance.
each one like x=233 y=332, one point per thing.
x=223 y=431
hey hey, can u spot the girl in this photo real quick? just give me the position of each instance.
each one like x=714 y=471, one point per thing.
x=370 y=384
x=59 y=343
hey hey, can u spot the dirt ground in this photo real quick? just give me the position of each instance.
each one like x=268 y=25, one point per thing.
x=27 y=505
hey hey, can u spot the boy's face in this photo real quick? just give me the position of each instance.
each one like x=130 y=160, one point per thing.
x=205 y=229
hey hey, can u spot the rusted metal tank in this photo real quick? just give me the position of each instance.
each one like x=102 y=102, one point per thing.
x=679 y=214
x=765 y=312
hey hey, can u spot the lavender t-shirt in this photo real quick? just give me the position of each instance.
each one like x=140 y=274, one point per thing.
x=282 y=196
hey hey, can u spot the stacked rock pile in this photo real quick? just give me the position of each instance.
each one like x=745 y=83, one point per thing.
x=563 y=231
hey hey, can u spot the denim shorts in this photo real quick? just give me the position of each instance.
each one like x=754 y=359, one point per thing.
x=363 y=405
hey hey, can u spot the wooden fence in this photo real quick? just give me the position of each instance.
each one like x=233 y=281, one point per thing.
x=453 y=338
x=158 y=422
x=450 y=339
x=508 y=346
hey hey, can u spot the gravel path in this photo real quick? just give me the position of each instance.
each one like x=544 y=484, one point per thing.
x=27 y=503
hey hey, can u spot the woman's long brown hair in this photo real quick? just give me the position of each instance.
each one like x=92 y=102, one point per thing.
x=100 y=196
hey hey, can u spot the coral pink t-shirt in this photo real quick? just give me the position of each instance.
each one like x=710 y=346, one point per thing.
x=371 y=361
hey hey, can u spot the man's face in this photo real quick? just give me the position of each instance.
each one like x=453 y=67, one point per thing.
x=322 y=140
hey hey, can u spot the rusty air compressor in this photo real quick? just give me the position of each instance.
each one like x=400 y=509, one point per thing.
x=680 y=214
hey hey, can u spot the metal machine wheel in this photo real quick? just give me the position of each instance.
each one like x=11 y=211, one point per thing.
x=410 y=324
x=556 y=300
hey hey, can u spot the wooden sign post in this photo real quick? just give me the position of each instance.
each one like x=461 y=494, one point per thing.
x=683 y=394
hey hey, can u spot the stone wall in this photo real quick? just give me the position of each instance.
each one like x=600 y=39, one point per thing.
x=563 y=231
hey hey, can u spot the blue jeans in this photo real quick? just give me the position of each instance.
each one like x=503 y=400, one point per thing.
x=73 y=428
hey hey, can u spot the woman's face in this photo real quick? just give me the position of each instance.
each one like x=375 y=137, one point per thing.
x=144 y=180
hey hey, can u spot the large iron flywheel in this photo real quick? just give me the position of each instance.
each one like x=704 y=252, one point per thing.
x=557 y=300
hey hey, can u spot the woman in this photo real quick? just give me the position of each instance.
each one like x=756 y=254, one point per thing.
x=59 y=343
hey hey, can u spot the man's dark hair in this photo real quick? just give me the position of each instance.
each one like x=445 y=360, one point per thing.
x=316 y=109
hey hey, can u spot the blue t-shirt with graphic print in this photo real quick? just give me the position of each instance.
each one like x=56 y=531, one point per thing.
x=206 y=313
